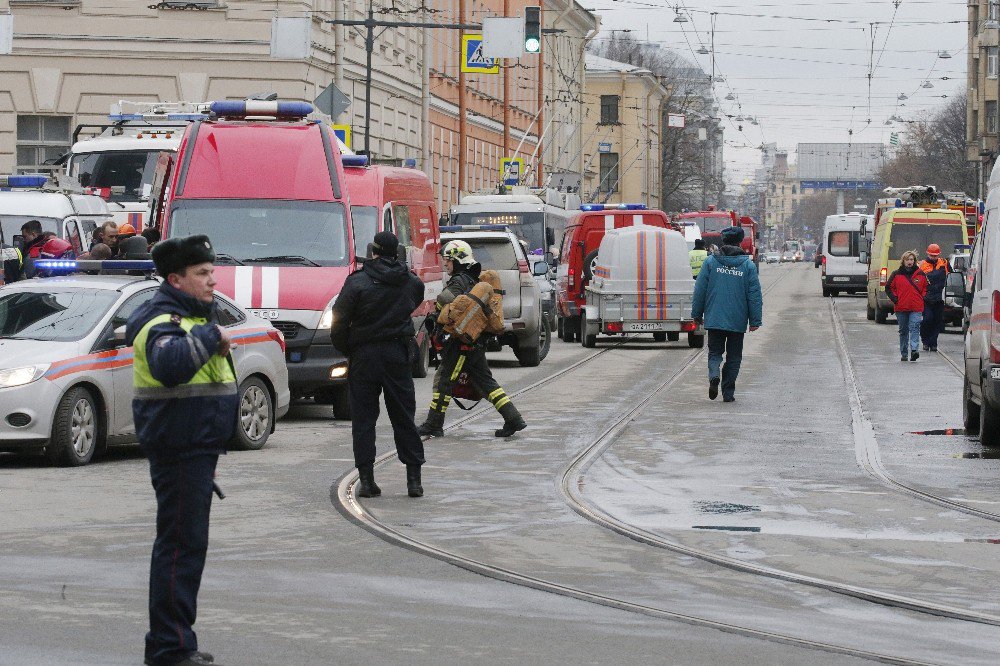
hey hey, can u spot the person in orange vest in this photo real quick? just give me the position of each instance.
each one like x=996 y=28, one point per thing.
x=936 y=270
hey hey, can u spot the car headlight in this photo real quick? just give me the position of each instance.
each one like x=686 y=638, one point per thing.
x=21 y=376
x=326 y=319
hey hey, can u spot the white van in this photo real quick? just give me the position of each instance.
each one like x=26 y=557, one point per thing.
x=68 y=215
x=841 y=265
x=981 y=388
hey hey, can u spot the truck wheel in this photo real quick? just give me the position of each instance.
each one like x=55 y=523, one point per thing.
x=989 y=426
x=970 y=410
x=659 y=337
x=254 y=422
x=588 y=265
x=697 y=341
x=420 y=354
x=870 y=312
x=544 y=338
x=588 y=341
x=880 y=315
x=528 y=357
x=75 y=430
x=341 y=403
x=673 y=336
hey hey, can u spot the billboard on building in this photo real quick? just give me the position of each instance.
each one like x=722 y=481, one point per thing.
x=839 y=162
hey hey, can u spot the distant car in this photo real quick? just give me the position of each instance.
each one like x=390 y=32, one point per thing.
x=797 y=256
x=526 y=331
x=66 y=373
x=772 y=258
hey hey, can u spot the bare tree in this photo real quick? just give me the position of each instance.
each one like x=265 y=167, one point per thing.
x=933 y=152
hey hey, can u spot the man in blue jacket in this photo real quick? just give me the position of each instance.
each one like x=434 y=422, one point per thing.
x=727 y=297
x=185 y=411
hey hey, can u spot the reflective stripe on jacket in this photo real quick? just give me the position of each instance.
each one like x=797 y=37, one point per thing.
x=937 y=278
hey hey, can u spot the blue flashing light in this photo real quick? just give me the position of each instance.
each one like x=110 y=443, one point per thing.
x=592 y=207
x=67 y=266
x=899 y=203
x=243 y=109
x=982 y=207
x=636 y=206
x=355 y=160
x=27 y=180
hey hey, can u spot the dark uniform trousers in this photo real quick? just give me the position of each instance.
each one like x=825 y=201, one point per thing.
x=184 y=500
x=375 y=368
x=456 y=359
x=933 y=322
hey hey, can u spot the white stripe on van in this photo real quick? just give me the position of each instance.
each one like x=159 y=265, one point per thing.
x=609 y=222
x=269 y=286
x=637 y=220
x=243 y=286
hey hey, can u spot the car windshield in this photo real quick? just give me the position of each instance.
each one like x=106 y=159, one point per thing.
x=57 y=315
x=495 y=254
x=364 y=219
x=267 y=231
x=713 y=224
x=917 y=237
x=131 y=169
x=529 y=227
x=10 y=225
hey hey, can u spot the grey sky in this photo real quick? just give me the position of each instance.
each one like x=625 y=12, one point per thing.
x=806 y=80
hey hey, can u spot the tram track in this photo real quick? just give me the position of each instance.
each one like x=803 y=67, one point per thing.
x=343 y=497
x=866 y=445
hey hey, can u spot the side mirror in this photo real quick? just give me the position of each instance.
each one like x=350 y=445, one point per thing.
x=540 y=268
x=118 y=336
x=863 y=257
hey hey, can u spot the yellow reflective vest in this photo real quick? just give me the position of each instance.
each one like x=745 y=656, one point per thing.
x=698 y=257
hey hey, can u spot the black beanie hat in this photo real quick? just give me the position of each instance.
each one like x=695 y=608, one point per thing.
x=175 y=254
x=385 y=244
x=732 y=235
x=699 y=244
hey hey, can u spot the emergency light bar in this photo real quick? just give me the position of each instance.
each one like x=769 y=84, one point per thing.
x=249 y=108
x=67 y=266
x=355 y=160
x=27 y=180
x=623 y=206
x=453 y=228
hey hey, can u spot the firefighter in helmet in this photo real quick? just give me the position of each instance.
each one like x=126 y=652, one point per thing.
x=458 y=358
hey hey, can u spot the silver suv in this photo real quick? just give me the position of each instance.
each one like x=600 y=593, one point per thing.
x=524 y=330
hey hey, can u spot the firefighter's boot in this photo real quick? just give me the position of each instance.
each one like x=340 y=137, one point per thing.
x=413 y=487
x=433 y=426
x=512 y=421
x=366 y=485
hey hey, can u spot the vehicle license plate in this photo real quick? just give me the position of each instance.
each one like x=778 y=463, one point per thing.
x=841 y=279
x=645 y=326
x=994 y=373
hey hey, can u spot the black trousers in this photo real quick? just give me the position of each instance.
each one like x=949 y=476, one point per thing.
x=454 y=362
x=932 y=324
x=183 y=503
x=375 y=368
x=728 y=344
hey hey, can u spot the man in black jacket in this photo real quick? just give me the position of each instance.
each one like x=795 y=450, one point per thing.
x=373 y=327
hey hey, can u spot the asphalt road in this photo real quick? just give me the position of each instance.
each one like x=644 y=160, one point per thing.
x=775 y=479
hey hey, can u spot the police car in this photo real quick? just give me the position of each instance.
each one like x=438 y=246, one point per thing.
x=66 y=373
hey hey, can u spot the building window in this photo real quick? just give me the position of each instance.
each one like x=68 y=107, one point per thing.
x=975 y=123
x=994 y=11
x=991 y=117
x=794 y=191
x=41 y=139
x=609 y=109
x=991 y=62
x=609 y=173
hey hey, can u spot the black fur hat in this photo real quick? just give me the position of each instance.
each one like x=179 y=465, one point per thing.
x=175 y=254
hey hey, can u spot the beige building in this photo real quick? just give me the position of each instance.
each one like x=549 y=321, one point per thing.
x=781 y=194
x=984 y=86
x=72 y=59
x=622 y=124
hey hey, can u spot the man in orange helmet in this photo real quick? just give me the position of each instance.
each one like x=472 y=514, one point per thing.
x=936 y=270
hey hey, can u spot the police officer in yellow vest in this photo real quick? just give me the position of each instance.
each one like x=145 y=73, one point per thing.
x=12 y=264
x=698 y=256
x=185 y=411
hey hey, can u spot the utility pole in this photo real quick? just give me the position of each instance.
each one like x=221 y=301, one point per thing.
x=463 y=145
x=506 y=96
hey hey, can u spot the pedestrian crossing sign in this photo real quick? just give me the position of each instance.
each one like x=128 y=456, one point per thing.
x=343 y=132
x=473 y=60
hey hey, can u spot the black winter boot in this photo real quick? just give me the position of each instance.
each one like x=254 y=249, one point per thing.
x=512 y=421
x=433 y=426
x=367 y=486
x=413 y=487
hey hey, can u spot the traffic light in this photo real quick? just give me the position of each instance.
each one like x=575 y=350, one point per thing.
x=533 y=29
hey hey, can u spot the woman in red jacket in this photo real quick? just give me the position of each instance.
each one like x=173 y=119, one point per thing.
x=906 y=288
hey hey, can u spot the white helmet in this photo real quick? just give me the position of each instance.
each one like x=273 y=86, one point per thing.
x=459 y=251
